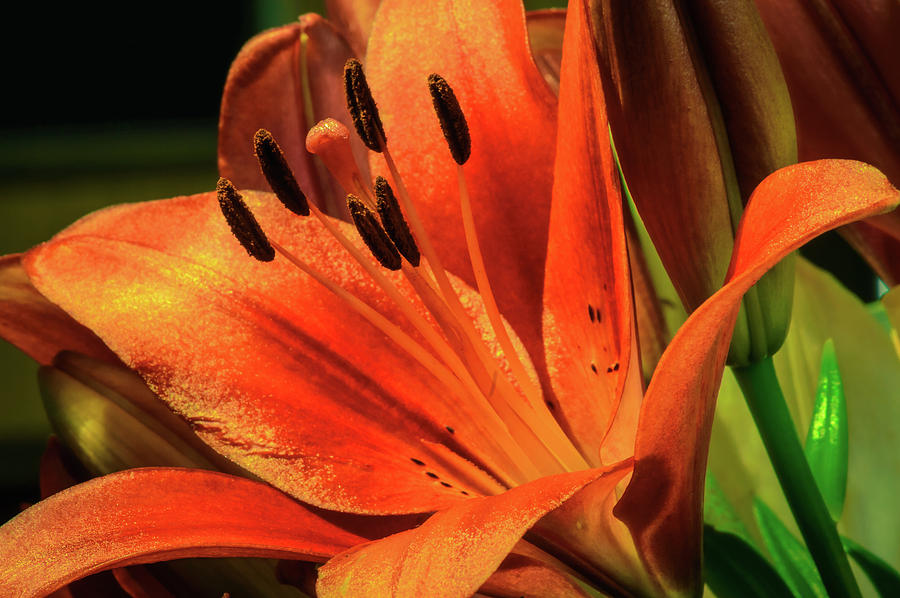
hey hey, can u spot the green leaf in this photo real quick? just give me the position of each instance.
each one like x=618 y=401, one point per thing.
x=878 y=311
x=870 y=372
x=790 y=556
x=719 y=513
x=827 y=439
x=735 y=569
x=885 y=578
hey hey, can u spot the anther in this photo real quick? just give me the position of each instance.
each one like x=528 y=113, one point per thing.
x=451 y=117
x=275 y=168
x=243 y=225
x=374 y=236
x=394 y=223
x=362 y=106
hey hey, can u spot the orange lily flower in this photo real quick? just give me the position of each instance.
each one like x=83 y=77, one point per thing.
x=344 y=416
x=842 y=65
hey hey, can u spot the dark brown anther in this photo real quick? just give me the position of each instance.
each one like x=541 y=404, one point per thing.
x=243 y=225
x=362 y=106
x=451 y=117
x=374 y=236
x=275 y=168
x=394 y=223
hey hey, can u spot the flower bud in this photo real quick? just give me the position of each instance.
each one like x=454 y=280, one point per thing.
x=700 y=114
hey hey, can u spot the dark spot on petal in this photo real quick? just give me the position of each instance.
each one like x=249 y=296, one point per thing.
x=594 y=367
x=616 y=367
x=431 y=475
x=550 y=405
x=417 y=461
x=464 y=492
x=591 y=312
x=446 y=485
x=451 y=430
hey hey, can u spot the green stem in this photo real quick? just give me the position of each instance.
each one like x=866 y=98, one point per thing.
x=766 y=401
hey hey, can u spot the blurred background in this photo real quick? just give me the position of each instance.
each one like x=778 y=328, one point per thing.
x=105 y=103
x=109 y=104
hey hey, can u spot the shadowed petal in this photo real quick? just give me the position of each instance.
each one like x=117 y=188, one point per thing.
x=55 y=473
x=457 y=549
x=588 y=315
x=511 y=114
x=878 y=240
x=530 y=573
x=271 y=369
x=545 y=35
x=353 y=18
x=285 y=80
x=35 y=325
x=662 y=505
x=149 y=515
x=840 y=61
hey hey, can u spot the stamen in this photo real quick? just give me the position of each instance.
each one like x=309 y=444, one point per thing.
x=275 y=168
x=477 y=356
x=533 y=428
x=242 y=222
x=516 y=467
x=451 y=117
x=394 y=223
x=539 y=417
x=362 y=106
x=374 y=236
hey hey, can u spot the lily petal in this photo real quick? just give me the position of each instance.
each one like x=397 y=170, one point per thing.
x=37 y=326
x=529 y=573
x=840 y=63
x=149 y=515
x=545 y=35
x=353 y=18
x=55 y=473
x=271 y=369
x=511 y=114
x=455 y=550
x=285 y=80
x=662 y=504
x=588 y=314
x=877 y=239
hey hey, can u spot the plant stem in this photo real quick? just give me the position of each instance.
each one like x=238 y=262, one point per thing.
x=762 y=392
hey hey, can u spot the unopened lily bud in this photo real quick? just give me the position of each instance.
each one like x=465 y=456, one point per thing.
x=700 y=114
x=111 y=421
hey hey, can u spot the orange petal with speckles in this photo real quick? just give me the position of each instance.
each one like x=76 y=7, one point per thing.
x=457 y=549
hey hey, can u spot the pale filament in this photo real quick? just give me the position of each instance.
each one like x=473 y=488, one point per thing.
x=507 y=446
x=494 y=383
x=559 y=442
x=459 y=332
x=513 y=421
